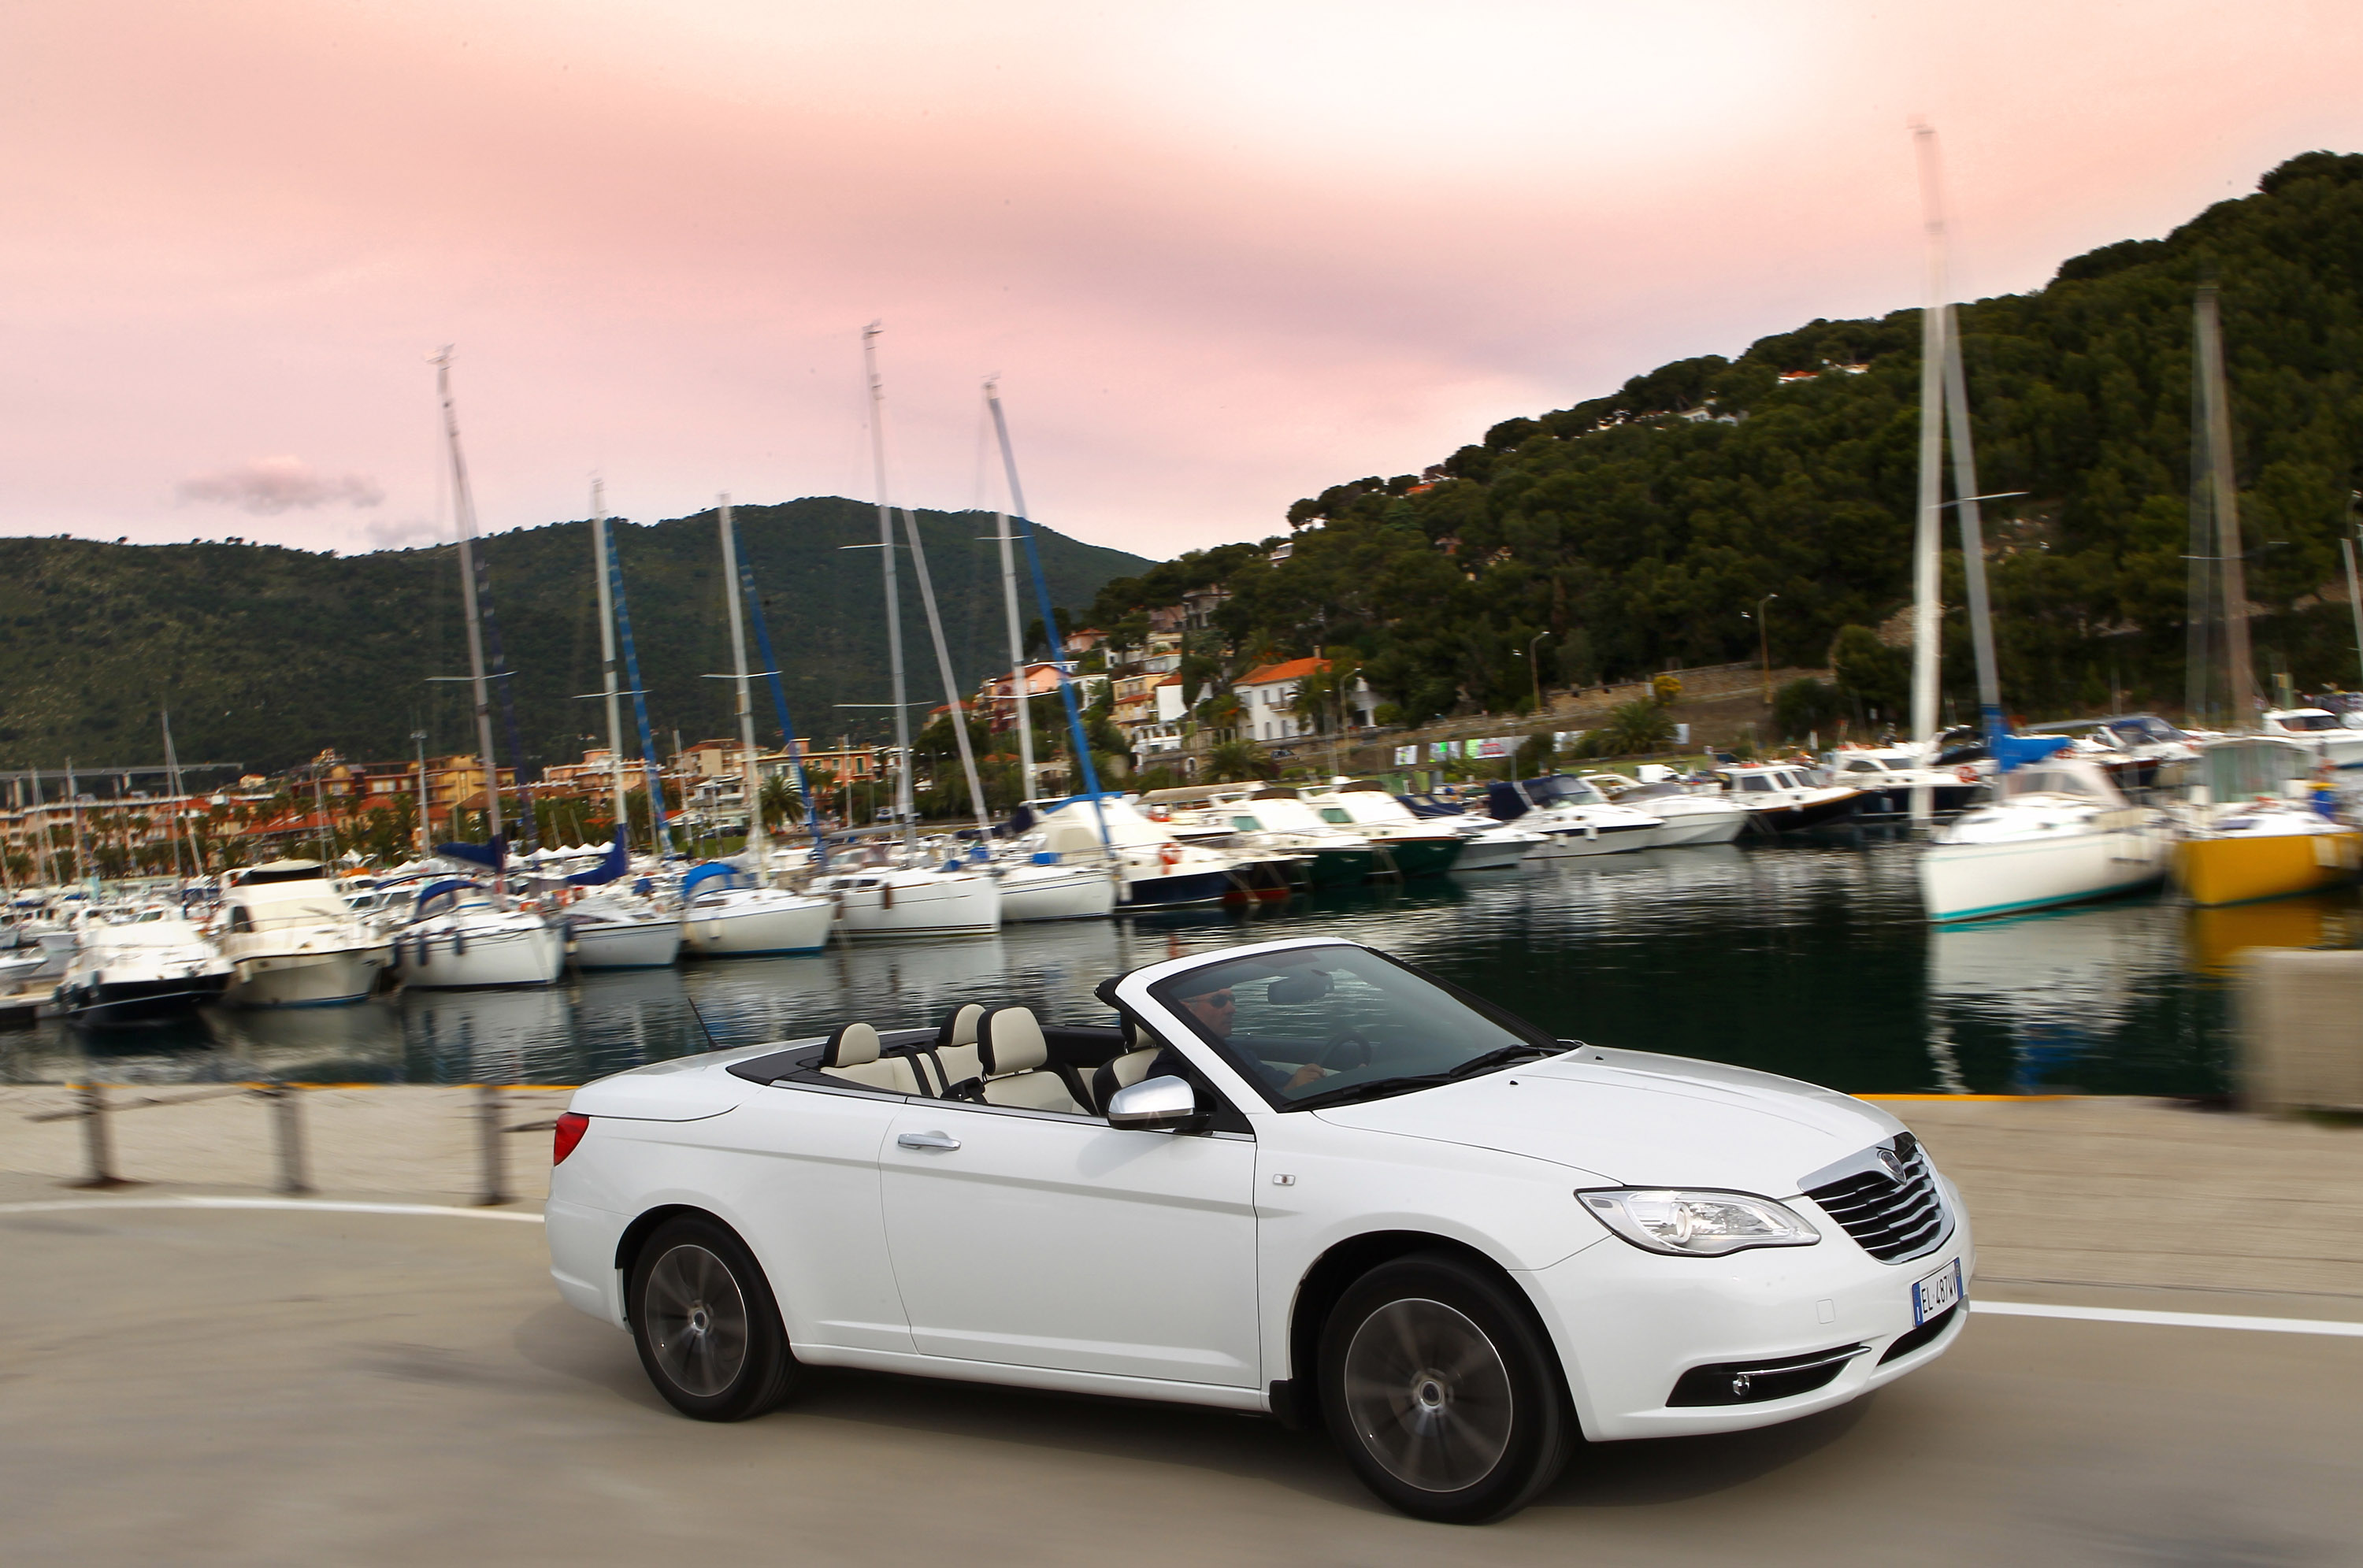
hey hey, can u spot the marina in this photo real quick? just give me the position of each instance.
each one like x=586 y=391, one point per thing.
x=1808 y=958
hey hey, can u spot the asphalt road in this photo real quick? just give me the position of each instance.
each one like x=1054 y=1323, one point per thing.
x=263 y=1387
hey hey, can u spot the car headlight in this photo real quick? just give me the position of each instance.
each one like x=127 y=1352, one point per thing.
x=1685 y=1223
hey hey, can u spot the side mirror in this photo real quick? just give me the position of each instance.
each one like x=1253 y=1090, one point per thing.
x=1155 y=1105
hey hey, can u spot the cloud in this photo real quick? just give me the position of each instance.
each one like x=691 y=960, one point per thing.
x=267 y=486
x=399 y=533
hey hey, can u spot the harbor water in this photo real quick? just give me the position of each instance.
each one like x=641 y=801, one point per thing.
x=1810 y=960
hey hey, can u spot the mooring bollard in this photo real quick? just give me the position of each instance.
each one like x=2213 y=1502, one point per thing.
x=287 y=1121
x=98 y=1136
x=488 y=1124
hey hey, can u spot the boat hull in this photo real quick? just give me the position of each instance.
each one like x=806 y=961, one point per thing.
x=107 y=1004
x=1480 y=854
x=1566 y=844
x=1978 y=881
x=802 y=925
x=447 y=960
x=1180 y=889
x=963 y=905
x=1808 y=814
x=2240 y=869
x=627 y=944
x=1410 y=857
x=309 y=979
x=1057 y=892
x=1701 y=827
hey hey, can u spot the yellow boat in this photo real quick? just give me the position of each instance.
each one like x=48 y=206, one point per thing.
x=2267 y=850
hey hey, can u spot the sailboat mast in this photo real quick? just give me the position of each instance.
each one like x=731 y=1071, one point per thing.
x=750 y=781
x=661 y=837
x=893 y=600
x=463 y=508
x=172 y=782
x=1019 y=687
x=2223 y=499
x=1927 y=582
x=1973 y=543
x=607 y=654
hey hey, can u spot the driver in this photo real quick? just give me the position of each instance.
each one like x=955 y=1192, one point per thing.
x=1216 y=1006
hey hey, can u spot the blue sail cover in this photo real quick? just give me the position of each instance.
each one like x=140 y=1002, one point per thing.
x=492 y=856
x=2017 y=751
x=1504 y=803
x=706 y=873
x=611 y=866
x=434 y=891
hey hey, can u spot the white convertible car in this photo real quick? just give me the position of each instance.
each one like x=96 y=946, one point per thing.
x=1300 y=1177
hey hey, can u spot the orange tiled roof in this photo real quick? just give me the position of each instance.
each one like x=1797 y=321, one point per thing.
x=1294 y=669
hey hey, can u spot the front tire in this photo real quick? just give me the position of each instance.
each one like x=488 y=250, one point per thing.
x=706 y=1326
x=1442 y=1392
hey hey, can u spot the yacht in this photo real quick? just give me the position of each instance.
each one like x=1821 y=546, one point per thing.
x=1412 y=846
x=2059 y=831
x=461 y=938
x=1689 y=816
x=151 y=965
x=293 y=940
x=724 y=913
x=1574 y=817
x=2334 y=738
x=1888 y=775
x=1043 y=884
x=1272 y=820
x=618 y=929
x=1781 y=797
x=1155 y=869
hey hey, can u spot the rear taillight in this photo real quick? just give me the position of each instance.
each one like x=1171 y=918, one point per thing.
x=570 y=1129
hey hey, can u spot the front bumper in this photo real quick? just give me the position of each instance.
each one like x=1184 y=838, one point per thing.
x=1628 y=1324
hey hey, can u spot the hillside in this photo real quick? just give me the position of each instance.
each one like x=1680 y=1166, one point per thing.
x=1643 y=528
x=265 y=654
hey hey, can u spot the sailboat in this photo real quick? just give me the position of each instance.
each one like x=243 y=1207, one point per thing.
x=2057 y=831
x=616 y=928
x=464 y=935
x=733 y=911
x=2245 y=837
x=902 y=896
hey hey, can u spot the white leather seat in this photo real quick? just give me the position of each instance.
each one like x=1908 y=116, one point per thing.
x=954 y=1055
x=1123 y=1073
x=851 y=1053
x=1015 y=1061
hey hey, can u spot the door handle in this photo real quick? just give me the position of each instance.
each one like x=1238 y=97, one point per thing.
x=928 y=1141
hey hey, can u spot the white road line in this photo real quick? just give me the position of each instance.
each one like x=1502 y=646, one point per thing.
x=2173 y=1320
x=317 y=1206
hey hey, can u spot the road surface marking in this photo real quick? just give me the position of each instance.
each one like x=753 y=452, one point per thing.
x=2173 y=1320
x=317 y=1206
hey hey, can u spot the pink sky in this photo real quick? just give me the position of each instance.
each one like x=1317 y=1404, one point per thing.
x=1221 y=254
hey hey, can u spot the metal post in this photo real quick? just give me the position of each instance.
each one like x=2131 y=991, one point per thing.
x=2354 y=594
x=287 y=1126
x=1926 y=578
x=98 y=1137
x=488 y=1129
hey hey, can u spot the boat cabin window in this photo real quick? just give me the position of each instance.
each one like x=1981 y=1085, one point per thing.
x=1755 y=781
x=2308 y=721
x=239 y=920
x=1336 y=814
x=1247 y=825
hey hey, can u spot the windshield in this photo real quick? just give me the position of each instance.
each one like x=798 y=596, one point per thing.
x=1558 y=789
x=1327 y=1025
x=2308 y=721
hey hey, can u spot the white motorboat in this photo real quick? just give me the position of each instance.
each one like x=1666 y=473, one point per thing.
x=1575 y=818
x=1412 y=846
x=1155 y=869
x=1689 y=816
x=1781 y=797
x=1888 y=775
x=2058 y=832
x=154 y=965
x=913 y=901
x=1267 y=821
x=2335 y=738
x=1047 y=885
x=623 y=930
x=461 y=940
x=293 y=939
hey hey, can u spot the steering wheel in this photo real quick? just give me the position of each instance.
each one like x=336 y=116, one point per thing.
x=1339 y=1044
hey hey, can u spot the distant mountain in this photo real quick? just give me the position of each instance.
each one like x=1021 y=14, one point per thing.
x=267 y=655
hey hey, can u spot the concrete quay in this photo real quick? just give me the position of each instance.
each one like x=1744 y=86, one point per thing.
x=2078 y=1194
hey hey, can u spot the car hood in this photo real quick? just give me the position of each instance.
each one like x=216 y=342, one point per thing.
x=1635 y=1119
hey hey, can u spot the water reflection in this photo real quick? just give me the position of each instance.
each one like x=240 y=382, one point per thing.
x=1811 y=960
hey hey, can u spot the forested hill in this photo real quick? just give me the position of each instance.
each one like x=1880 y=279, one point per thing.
x=267 y=655
x=1643 y=527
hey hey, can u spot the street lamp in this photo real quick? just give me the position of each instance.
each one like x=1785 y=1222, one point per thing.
x=1764 y=645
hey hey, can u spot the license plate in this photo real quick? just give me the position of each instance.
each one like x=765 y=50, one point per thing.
x=1933 y=1296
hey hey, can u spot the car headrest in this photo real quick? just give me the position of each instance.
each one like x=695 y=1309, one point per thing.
x=959 y=1029
x=1008 y=1040
x=853 y=1045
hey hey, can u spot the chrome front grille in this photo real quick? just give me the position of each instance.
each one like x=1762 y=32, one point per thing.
x=1886 y=1198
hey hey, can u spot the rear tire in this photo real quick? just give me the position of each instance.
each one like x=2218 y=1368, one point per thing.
x=1442 y=1392
x=705 y=1323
